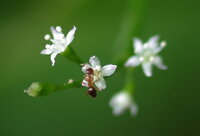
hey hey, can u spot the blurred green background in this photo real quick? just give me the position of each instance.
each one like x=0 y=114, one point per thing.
x=168 y=102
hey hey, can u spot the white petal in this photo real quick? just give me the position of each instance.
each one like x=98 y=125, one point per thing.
x=108 y=70
x=48 y=46
x=147 y=68
x=159 y=48
x=84 y=68
x=120 y=102
x=53 y=56
x=85 y=83
x=138 y=45
x=94 y=61
x=133 y=61
x=70 y=36
x=118 y=111
x=57 y=35
x=100 y=84
x=134 y=109
x=116 y=107
x=54 y=31
x=46 y=52
x=159 y=63
x=153 y=42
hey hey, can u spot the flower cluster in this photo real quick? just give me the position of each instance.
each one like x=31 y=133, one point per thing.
x=147 y=55
x=94 y=75
x=59 y=42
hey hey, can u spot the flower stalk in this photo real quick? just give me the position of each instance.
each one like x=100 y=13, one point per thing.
x=42 y=89
x=130 y=26
x=129 y=82
x=71 y=55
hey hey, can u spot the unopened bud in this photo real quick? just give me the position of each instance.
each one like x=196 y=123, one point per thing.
x=34 y=89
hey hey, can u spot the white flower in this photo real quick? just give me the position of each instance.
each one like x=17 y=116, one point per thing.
x=122 y=101
x=59 y=42
x=147 y=55
x=97 y=73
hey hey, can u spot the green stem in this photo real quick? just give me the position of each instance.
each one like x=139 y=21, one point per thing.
x=70 y=54
x=129 y=82
x=130 y=26
x=42 y=89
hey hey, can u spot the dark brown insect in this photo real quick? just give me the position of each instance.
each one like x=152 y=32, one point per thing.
x=89 y=78
x=89 y=71
x=92 y=92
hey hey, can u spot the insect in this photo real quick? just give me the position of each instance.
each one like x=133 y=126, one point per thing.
x=89 y=78
x=89 y=71
x=92 y=92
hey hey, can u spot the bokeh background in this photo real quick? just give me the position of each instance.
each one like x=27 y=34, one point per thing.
x=168 y=102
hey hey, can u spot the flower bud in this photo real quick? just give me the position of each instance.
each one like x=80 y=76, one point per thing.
x=43 y=89
x=34 y=89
